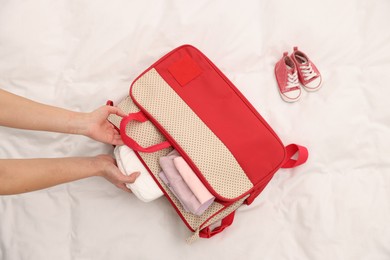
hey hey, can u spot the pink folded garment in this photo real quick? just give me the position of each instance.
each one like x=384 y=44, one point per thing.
x=201 y=193
x=165 y=180
x=177 y=185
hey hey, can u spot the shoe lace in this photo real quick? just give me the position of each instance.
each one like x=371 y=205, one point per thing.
x=307 y=71
x=292 y=80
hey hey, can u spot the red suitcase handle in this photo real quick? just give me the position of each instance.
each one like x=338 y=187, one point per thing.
x=130 y=142
x=226 y=222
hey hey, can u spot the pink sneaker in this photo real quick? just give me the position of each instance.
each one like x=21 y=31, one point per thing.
x=308 y=74
x=287 y=78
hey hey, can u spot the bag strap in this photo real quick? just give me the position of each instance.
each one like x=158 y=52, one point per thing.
x=291 y=150
x=130 y=142
x=226 y=221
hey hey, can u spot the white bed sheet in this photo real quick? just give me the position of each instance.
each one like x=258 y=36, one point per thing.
x=78 y=54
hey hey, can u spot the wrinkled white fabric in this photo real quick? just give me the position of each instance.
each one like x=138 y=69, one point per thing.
x=78 y=54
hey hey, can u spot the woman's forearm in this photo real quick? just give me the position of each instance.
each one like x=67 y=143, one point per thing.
x=19 y=112
x=24 y=175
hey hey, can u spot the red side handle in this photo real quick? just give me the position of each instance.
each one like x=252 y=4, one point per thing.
x=130 y=142
x=227 y=221
x=291 y=150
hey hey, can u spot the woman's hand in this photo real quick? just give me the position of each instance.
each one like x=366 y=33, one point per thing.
x=111 y=172
x=96 y=126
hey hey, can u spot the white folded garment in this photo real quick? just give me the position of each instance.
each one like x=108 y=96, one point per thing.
x=144 y=187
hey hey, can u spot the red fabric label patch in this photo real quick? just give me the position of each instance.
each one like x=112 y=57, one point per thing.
x=184 y=70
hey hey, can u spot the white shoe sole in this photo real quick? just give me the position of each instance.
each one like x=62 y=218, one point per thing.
x=313 y=89
x=290 y=100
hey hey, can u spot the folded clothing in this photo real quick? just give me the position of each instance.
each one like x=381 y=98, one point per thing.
x=189 y=190
x=171 y=177
x=201 y=192
x=144 y=187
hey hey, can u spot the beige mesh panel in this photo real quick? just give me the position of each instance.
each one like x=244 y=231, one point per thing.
x=206 y=150
x=216 y=218
x=194 y=221
x=225 y=212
